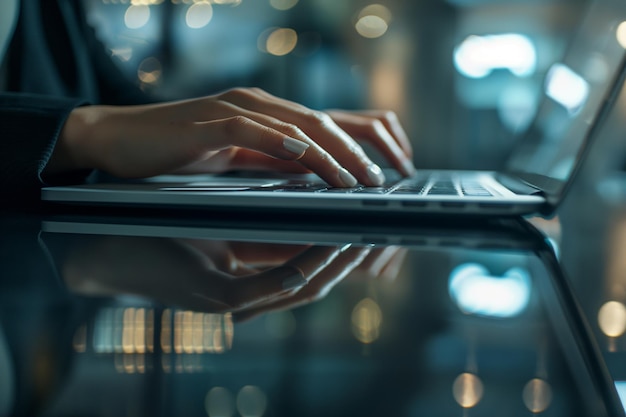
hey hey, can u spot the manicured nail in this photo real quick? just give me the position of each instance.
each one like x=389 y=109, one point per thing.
x=375 y=174
x=408 y=167
x=294 y=281
x=347 y=178
x=295 y=146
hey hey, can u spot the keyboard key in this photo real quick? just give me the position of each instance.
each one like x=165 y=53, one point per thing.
x=342 y=190
x=373 y=190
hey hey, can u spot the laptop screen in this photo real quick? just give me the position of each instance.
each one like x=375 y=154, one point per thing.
x=575 y=97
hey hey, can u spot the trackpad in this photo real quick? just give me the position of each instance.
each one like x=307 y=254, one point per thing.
x=226 y=184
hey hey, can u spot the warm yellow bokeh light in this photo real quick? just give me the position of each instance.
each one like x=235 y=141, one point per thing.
x=371 y=26
x=537 y=395
x=283 y=4
x=366 y=321
x=467 y=390
x=612 y=319
x=281 y=41
x=621 y=34
x=373 y=21
x=136 y=16
x=149 y=71
x=199 y=15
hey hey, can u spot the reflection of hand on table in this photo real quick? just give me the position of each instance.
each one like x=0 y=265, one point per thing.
x=246 y=279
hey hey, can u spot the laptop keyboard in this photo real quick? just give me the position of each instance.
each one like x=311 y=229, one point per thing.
x=435 y=185
x=414 y=186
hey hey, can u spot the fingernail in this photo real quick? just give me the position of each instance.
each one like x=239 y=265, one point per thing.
x=294 y=281
x=375 y=174
x=295 y=146
x=408 y=167
x=347 y=178
x=345 y=247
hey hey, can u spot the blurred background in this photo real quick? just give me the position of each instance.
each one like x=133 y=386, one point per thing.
x=463 y=75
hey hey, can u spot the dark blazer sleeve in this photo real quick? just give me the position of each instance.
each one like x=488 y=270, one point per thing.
x=56 y=63
x=29 y=128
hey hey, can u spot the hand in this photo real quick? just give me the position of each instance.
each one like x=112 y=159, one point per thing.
x=237 y=129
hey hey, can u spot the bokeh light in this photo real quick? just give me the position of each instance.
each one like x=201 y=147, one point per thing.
x=477 y=56
x=612 y=318
x=150 y=71
x=467 y=390
x=476 y=291
x=366 y=321
x=136 y=16
x=371 y=26
x=281 y=41
x=621 y=34
x=373 y=21
x=537 y=395
x=199 y=15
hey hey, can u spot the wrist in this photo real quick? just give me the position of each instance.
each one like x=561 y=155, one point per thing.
x=72 y=150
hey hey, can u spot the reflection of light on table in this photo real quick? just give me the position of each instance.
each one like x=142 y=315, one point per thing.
x=129 y=334
x=476 y=291
x=537 y=395
x=366 y=321
x=467 y=390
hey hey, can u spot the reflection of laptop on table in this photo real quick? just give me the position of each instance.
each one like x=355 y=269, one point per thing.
x=577 y=98
x=487 y=306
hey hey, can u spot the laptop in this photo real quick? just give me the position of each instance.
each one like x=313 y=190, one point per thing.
x=577 y=95
x=435 y=322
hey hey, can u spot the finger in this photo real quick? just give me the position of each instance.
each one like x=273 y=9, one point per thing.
x=265 y=254
x=317 y=125
x=318 y=288
x=245 y=159
x=244 y=292
x=391 y=271
x=247 y=133
x=378 y=258
x=375 y=132
x=393 y=125
x=315 y=159
x=236 y=158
